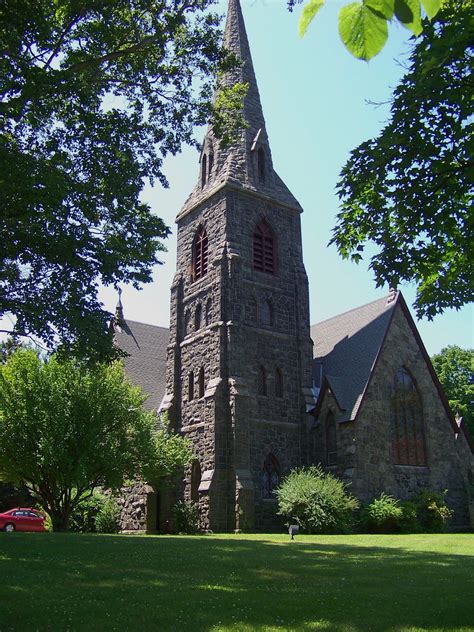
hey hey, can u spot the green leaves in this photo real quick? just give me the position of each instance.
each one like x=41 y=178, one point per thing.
x=408 y=13
x=66 y=428
x=407 y=191
x=94 y=96
x=431 y=7
x=363 y=32
x=363 y=26
x=307 y=15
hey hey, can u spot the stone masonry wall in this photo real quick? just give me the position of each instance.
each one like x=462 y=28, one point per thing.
x=448 y=457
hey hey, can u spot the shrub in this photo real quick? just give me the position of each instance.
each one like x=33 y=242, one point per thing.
x=432 y=512
x=409 y=522
x=383 y=515
x=84 y=515
x=108 y=518
x=316 y=501
x=186 y=517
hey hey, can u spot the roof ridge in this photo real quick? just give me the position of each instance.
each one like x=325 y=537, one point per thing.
x=355 y=309
x=138 y=322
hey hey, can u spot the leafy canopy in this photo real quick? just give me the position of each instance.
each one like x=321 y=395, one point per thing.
x=67 y=428
x=363 y=26
x=455 y=369
x=408 y=192
x=93 y=96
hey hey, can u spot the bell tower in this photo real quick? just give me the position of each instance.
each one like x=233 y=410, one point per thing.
x=239 y=358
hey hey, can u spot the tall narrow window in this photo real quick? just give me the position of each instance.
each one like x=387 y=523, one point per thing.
x=270 y=476
x=266 y=314
x=408 y=434
x=187 y=320
x=203 y=170
x=201 y=382
x=331 y=446
x=262 y=381
x=278 y=383
x=198 y=318
x=211 y=164
x=199 y=258
x=264 y=248
x=261 y=164
x=208 y=312
x=191 y=386
x=195 y=481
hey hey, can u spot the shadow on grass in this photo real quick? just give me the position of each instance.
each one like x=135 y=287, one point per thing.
x=74 y=582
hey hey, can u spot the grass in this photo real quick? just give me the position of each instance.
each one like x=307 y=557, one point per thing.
x=357 y=583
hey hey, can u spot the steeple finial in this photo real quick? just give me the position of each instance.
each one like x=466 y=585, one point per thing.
x=119 y=318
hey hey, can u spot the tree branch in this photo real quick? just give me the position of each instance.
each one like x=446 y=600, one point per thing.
x=71 y=24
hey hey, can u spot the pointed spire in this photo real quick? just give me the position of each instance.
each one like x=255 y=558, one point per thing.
x=247 y=163
x=119 y=318
x=235 y=40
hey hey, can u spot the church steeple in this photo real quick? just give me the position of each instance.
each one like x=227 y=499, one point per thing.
x=236 y=41
x=239 y=353
x=248 y=161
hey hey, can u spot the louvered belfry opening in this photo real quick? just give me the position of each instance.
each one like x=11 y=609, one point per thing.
x=264 y=249
x=200 y=256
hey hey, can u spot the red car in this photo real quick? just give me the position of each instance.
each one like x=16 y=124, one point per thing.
x=22 y=519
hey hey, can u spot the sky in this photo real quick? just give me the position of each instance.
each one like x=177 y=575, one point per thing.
x=318 y=103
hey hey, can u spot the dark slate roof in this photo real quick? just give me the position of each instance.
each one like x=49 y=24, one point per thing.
x=145 y=363
x=347 y=347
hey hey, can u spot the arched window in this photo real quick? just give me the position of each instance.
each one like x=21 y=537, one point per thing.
x=278 y=383
x=266 y=314
x=195 y=481
x=270 y=476
x=331 y=446
x=201 y=382
x=408 y=435
x=262 y=381
x=261 y=165
x=191 y=386
x=203 y=170
x=198 y=318
x=209 y=312
x=211 y=164
x=264 y=249
x=199 y=264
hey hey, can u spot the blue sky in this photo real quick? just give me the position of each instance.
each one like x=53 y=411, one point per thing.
x=315 y=98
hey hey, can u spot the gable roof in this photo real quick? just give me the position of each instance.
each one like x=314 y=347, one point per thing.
x=145 y=362
x=346 y=348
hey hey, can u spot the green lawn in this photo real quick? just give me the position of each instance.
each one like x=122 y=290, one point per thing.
x=345 y=583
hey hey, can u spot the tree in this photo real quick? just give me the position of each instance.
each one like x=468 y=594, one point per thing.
x=363 y=26
x=67 y=428
x=409 y=190
x=8 y=348
x=93 y=96
x=455 y=369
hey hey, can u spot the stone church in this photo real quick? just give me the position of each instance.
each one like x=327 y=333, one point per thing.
x=256 y=389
